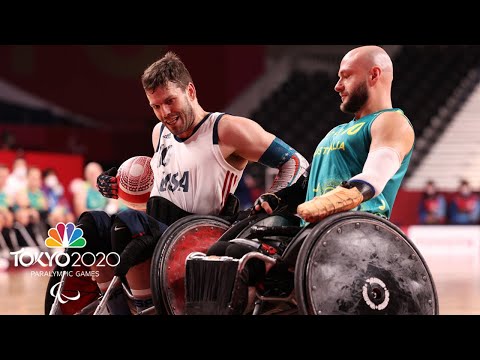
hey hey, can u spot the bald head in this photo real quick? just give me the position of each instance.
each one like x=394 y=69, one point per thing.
x=365 y=80
x=370 y=56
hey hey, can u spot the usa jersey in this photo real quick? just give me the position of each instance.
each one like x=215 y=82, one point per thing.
x=192 y=172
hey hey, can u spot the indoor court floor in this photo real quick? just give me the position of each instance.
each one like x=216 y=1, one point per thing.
x=22 y=293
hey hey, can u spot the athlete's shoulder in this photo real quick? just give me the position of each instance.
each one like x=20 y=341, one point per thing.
x=236 y=124
x=229 y=118
x=156 y=135
x=397 y=113
x=243 y=136
x=395 y=117
x=156 y=129
x=400 y=114
x=393 y=127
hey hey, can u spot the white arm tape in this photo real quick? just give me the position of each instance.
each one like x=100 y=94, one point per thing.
x=380 y=166
x=289 y=172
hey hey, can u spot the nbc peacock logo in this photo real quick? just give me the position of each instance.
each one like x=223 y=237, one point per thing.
x=65 y=236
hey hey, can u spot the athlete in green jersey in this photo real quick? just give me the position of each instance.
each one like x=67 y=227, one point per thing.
x=358 y=165
x=342 y=154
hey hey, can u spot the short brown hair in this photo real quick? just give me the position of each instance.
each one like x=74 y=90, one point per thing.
x=168 y=68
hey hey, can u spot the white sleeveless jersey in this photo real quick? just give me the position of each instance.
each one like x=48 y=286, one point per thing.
x=192 y=173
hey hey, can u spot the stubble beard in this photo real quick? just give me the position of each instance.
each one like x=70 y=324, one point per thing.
x=358 y=98
x=188 y=116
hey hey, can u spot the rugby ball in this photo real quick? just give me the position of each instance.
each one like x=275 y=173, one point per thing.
x=135 y=182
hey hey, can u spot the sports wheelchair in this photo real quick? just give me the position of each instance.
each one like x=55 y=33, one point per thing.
x=69 y=294
x=349 y=263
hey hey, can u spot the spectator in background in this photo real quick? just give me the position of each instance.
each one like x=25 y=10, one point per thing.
x=59 y=209
x=76 y=185
x=52 y=188
x=6 y=215
x=253 y=186
x=17 y=180
x=465 y=206
x=6 y=200
x=31 y=210
x=433 y=205
x=88 y=197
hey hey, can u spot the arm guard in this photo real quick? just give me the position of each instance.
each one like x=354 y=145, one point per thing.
x=345 y=197
x=290 y=163
x=381 y=165
x=289 y=172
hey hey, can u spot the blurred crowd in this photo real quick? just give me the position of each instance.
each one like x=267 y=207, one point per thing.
x=33 y=200
x=459 y=208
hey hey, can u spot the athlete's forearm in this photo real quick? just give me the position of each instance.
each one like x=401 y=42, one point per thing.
x=294 y=194
x=290 y=163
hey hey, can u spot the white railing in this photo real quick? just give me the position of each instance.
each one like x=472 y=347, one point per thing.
x=456 y=153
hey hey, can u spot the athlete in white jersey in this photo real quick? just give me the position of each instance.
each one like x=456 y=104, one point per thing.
x=198 y=161
x=192 y=172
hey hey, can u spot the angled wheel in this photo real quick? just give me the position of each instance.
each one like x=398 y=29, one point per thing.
x=359 y=263
x=167 y=275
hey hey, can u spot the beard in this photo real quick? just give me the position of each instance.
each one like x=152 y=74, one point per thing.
x=358 y=98
x=188 y=116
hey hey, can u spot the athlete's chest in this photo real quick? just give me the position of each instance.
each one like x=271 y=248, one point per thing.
x=173 y=154
x=347 y=132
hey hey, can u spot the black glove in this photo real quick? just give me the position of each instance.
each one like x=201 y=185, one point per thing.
x=272 y=200
x=107 y=183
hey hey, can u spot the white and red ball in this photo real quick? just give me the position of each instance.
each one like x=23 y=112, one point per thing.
x=135 y=182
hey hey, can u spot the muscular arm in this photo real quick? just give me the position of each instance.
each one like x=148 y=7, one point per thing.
x=392 y=139
x=391 y=129
x=242 y=140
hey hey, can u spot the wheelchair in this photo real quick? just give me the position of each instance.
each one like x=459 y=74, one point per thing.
x=349 y=263
x=79 y=295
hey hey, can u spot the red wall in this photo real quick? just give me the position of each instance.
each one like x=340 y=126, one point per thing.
x=405 y=209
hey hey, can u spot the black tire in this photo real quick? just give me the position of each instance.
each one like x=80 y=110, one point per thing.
x=309 y=272
x=166 y=294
